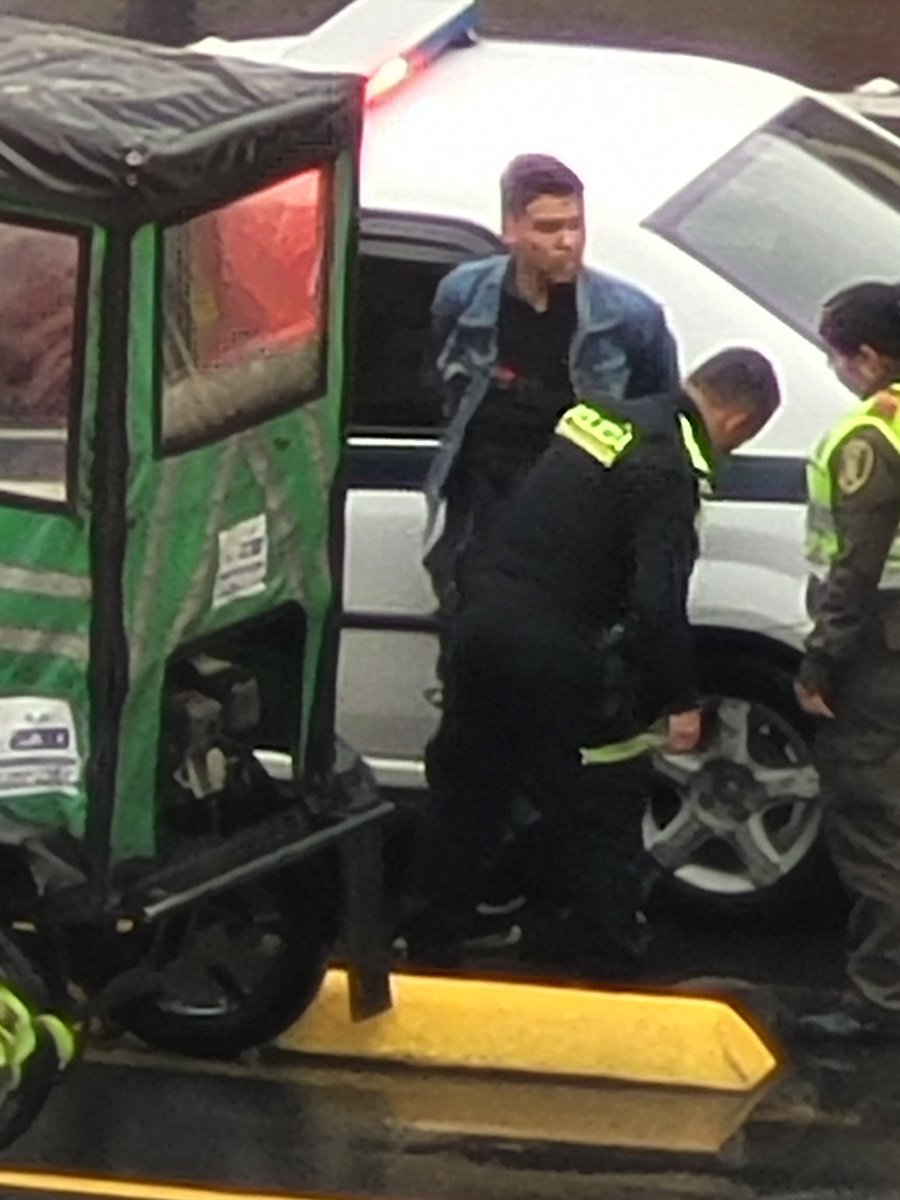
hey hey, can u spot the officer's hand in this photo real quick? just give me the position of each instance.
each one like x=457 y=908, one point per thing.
x=683 y=731
x=811 y=702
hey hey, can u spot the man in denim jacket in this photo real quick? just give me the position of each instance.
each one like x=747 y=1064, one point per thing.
x=518 y=337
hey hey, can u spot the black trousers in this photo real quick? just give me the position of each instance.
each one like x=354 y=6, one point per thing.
x=524 y=692
x=474 y=503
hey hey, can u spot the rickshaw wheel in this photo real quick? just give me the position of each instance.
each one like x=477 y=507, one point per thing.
x=237 y=969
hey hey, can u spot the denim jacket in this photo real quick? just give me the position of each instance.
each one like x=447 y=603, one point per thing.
x=621 y=348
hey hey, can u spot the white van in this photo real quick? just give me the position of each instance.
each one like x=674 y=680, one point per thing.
x=738 y=199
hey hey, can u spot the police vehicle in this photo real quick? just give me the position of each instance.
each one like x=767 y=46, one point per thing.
x=737 y=198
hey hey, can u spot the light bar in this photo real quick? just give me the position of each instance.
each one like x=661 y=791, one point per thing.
x=385 y=41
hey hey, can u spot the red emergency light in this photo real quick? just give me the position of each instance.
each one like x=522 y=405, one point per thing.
x=388 y=76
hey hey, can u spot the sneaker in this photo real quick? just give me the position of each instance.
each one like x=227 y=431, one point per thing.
x=485 y=934
x=500 y=908
x=497 y=939
x=850 y=1019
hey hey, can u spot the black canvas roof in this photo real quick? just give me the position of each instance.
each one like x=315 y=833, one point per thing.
x=124 y=132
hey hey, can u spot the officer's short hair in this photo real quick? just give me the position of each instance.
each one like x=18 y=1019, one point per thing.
x=531 y=175
x=740 y=378
x=867 y=314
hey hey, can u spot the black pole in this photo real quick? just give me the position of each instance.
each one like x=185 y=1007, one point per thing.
x=169 y=22
x=108 y=666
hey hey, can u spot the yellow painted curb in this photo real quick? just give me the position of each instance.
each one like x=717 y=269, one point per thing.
x=93 y=1188
x=590 y=1113
x=669 y=1039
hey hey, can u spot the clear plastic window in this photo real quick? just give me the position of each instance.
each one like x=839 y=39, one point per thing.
x=39 y=304
x=244 y=310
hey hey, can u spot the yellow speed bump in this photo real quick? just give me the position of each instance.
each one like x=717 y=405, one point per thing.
x=667 y=1039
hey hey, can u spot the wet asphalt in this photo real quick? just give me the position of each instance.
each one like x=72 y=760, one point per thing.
x=825 y=1129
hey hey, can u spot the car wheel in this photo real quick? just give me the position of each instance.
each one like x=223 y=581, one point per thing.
x=737 y=826
x=239 y=969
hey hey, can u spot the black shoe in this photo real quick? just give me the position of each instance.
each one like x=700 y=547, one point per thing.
x=554 y=939
x=849 y=1019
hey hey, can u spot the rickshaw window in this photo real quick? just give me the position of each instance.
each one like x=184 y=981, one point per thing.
x=43 y=285
x=244 y=310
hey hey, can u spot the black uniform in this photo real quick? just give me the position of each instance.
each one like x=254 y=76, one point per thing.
x=581 y=549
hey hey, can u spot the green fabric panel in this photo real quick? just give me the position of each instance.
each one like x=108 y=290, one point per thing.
x=39 y=628
x=282 y=470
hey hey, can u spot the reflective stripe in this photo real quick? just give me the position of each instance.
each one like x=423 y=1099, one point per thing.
x=45 y=641
x=56 y=584
x=18 y=1031
x=63 y=1038
x=606 y=438
x=599 y=435
x=613 y=752
x=699 y=461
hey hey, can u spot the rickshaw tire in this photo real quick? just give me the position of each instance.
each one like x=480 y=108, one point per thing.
x=290 y=987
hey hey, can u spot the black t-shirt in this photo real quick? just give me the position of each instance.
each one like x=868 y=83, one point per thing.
x=531 y=387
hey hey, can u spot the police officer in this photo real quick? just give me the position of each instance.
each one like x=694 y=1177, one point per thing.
x=37 y=1047
x=600 y=538
x=850 y=676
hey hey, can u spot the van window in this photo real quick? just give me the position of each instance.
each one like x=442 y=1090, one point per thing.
x=41 y=301
x=245 y=310
x=808 y=204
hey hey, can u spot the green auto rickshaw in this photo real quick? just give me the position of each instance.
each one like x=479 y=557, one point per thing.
x=183 y=843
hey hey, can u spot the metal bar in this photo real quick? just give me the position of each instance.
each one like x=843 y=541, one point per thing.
x=272 y=860
x=108 y=666
x=365 y=923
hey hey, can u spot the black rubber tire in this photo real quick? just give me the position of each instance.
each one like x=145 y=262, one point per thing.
x=808 y=893
x=305 y=904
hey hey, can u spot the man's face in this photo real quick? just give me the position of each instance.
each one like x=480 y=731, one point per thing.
x=548 y=237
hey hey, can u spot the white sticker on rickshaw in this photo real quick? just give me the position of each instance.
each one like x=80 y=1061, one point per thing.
x=38 y=746
x=243 y=561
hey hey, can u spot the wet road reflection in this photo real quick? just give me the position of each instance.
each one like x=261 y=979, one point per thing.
x=826 y=1128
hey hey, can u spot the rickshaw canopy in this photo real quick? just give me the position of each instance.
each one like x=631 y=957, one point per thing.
x=119 y=132
x=174 y=249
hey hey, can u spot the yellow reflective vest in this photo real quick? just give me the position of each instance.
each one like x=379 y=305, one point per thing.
x=822 y=539
x=605 y=437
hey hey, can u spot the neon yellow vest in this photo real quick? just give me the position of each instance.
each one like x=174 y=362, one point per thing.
x=606 y=438
x=822 y=541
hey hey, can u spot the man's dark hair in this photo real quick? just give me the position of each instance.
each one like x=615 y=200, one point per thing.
x=531 y=175
x=867 y=314
x=740 y=378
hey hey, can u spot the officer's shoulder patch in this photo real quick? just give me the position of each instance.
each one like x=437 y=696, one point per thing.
x=855 y=465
